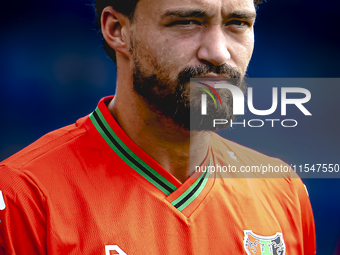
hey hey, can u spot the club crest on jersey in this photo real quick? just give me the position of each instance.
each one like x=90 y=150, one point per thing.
x=264 y=245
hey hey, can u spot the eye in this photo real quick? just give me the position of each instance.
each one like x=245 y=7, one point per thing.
x=240 y=23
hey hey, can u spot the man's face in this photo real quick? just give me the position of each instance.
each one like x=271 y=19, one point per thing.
x=173 y=41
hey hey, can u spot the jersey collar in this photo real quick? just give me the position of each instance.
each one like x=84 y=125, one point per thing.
x=185 y=197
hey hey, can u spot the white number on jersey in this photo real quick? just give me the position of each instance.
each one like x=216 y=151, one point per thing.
x=2 y=202
x=116 y=248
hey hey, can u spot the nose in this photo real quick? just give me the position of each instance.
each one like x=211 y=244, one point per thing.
x=214 y=48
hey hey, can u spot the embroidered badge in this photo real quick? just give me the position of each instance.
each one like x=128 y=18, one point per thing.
x=264 y=245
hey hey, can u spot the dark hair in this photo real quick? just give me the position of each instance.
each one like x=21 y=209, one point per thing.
x=126 y=7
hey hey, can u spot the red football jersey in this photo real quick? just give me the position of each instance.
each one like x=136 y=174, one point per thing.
x=89 y=189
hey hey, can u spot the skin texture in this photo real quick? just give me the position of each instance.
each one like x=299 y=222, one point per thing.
x=164 y=45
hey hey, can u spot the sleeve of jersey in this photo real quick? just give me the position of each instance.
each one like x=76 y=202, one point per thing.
x=22 y=214
x=307 y=219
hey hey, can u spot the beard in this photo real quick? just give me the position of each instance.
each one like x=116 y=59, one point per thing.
x=179 y=100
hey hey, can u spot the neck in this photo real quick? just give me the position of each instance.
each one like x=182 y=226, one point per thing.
x=177 y=150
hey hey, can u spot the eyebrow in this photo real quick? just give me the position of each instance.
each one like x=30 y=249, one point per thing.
x=242 y=15
x=186 y=13
x=182 y=13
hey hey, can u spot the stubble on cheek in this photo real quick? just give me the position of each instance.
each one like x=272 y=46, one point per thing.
x=156 y=59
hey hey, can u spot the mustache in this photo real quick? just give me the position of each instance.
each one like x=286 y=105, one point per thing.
x=196 y=71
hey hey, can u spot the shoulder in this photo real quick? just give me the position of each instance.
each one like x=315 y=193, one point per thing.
x=268 y=174
x=248 y=162
x=221 y=145
x=48 y=147
x=41 y=163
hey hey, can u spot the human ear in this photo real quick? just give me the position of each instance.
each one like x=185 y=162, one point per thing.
x=112 y=25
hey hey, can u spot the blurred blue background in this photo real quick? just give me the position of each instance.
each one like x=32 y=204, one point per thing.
x=53 y=70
